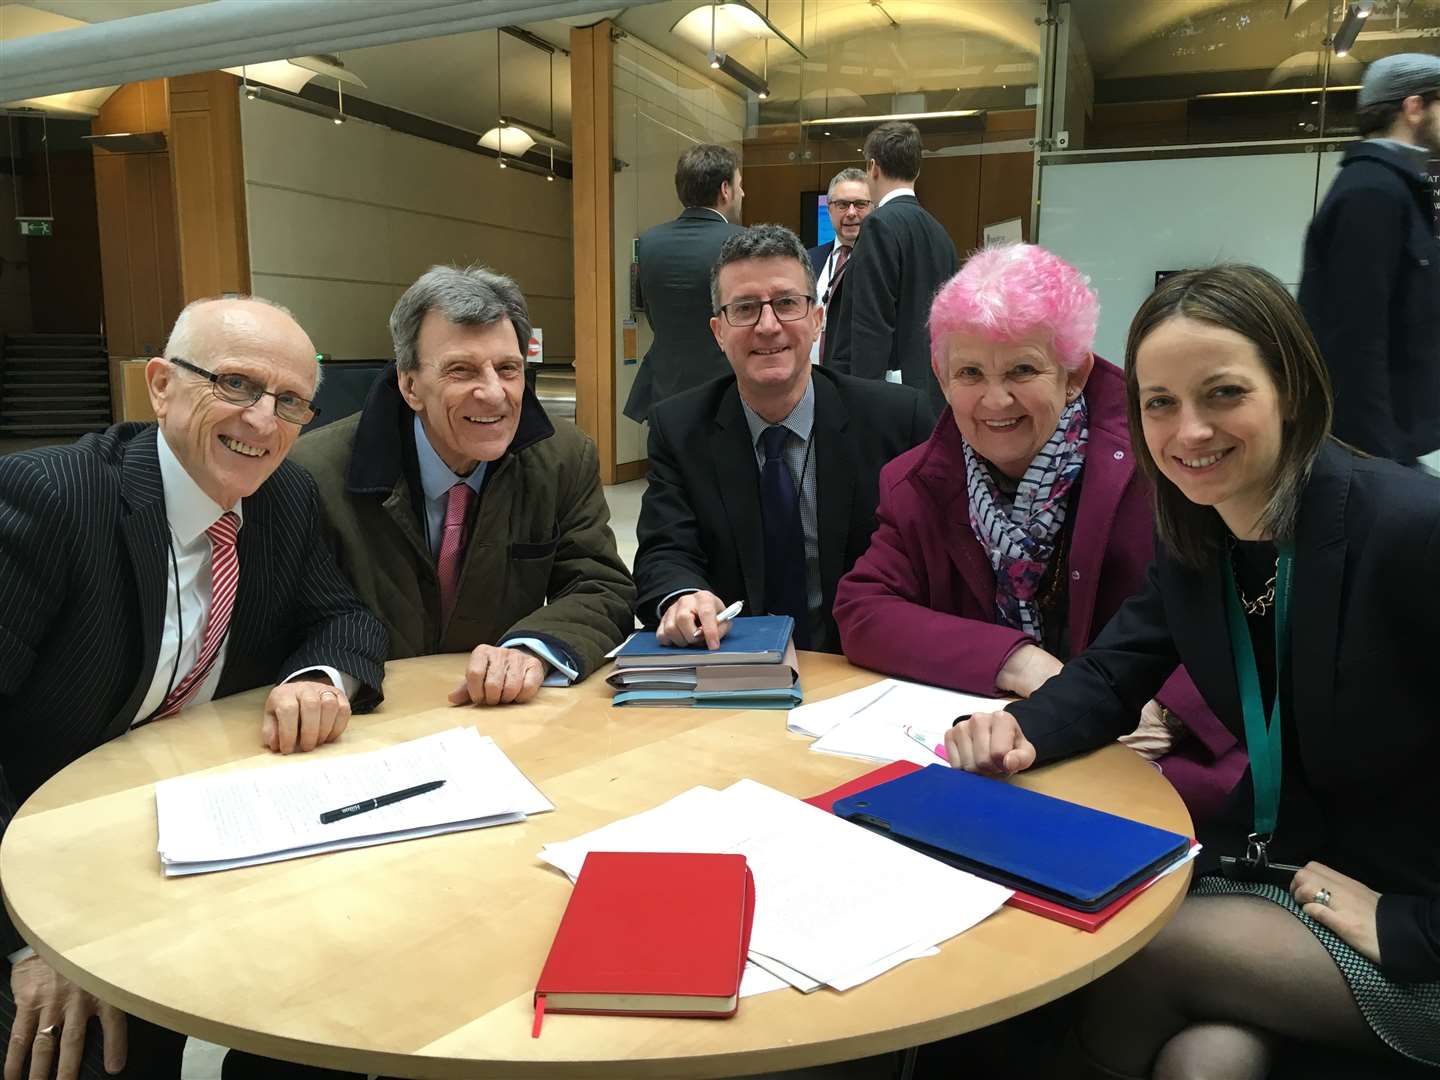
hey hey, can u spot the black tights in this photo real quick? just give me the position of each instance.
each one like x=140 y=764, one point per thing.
x=1221 y=985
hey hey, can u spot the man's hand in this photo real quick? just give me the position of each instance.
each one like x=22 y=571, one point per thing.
x=990 y=743
x=1028 y=669
x=50 y=1017
x=691 y=619
x=304 y=713
x=1348 y=911
x=496 y=676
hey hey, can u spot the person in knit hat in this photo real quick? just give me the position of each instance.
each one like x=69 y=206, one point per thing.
x=1370 y=287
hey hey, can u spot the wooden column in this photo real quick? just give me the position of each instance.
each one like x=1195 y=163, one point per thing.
x=208 y=172
x=593 y=204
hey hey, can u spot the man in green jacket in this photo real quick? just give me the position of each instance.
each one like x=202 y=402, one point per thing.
x=466 y=518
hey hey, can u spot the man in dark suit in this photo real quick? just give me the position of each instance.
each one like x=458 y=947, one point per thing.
x=149 y=568
x=675 y=260
x=763 y=483
x=848 y=204
x=1371 y=283
x=901 y=259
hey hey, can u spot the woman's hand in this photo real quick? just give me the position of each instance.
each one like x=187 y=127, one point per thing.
x=1154 y=737
x=990 y=743
x=1349 y=910
x=1028 y=669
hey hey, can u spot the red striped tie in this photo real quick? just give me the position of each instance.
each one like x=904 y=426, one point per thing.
x=224 y=576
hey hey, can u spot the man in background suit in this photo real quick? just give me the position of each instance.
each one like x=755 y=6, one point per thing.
x=763 y=483
x=901 y=259
x=675 y=260
x=848 y=203
x=149 y=568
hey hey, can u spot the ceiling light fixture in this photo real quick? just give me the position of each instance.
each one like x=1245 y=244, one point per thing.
x=511 y=138
x=945 y=115
x=722 y=27
x=1355 y=17
x=740 y=73
x=339 y=116
x=294 y=73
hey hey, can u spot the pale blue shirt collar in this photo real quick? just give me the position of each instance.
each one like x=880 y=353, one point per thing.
x=895 y=195
x=800 y=421
x=1420 y=155
x=187 y=508
x=437 y=478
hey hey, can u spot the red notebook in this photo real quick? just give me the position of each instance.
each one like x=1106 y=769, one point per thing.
x=651 y=934
x=1083 y=920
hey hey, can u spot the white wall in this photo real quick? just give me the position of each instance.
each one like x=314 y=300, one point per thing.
x=343 y=218
x=661 y=109
x=1120 y=221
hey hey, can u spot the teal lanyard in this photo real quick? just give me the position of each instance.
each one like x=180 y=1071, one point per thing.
x=1262 y=741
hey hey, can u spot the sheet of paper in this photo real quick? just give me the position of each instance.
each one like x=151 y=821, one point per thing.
x=818 y=718
x=756 y=980
x=788 y=975
x=904 y=724
x=239 y=817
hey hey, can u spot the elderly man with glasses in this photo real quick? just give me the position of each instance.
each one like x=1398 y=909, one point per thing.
x=156 y=566
x=763 y=483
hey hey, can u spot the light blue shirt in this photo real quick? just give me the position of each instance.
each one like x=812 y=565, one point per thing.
x=436 y=480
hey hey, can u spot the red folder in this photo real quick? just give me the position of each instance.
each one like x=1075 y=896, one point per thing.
x=651 y=934
x=1083 y=920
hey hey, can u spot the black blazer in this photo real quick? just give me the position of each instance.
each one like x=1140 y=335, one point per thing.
x=675 y=262
x=1371 y=294
x=700 y=523
x=819 y=254
x=1365 y=622
x=879 y=322
x=84 y=560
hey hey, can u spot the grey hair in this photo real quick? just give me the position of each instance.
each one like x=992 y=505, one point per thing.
x=182 y=340
x=472 y=295
x=851 y=175
x=760 y=242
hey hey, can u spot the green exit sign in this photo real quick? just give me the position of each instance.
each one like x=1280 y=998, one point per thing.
x=36 y=226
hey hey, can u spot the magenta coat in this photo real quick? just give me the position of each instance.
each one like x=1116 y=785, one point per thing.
x=920 y=603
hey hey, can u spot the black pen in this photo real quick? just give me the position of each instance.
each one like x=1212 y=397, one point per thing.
x=331 y=816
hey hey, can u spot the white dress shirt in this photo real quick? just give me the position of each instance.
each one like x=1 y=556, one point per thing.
x=895 y=195
x=822 y=296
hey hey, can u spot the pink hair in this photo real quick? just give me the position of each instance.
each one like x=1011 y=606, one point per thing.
x=1006 y=291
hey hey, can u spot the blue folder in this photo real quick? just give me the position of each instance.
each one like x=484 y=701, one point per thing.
x=753 y=639
x=1058 y=850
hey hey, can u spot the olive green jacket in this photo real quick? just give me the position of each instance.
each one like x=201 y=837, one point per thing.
x=541 y=560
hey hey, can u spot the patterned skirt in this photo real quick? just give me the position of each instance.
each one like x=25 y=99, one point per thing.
x=1406 y=1016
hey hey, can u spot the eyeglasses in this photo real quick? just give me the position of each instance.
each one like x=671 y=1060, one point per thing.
x=846 y=205
x=239 y=390
x=786 y=309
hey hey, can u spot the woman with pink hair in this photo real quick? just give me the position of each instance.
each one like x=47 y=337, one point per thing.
x=1008 y=540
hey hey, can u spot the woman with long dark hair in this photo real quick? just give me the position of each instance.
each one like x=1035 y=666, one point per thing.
x=1299 y=584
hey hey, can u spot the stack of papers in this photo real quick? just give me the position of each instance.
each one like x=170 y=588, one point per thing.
x=754 y=668
x=835 y=905
x=892 y=720
x=221 y=821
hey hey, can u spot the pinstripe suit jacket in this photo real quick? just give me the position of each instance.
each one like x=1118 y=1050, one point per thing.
x=83 y=566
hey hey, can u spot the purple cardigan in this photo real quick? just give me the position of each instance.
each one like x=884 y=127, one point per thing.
x=920 y=603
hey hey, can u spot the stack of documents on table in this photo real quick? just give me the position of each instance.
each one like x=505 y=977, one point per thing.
x=891 y=720
x=224 y=820
x=754 y=668
x=835 y=904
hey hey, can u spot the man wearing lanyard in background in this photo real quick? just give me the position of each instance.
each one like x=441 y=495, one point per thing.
x=848 y=202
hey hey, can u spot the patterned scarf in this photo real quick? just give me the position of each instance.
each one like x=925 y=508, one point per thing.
x=1019 y=536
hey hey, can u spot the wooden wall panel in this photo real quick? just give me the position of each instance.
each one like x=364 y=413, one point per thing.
x=209 y=185
x=950 y=189
x=593 y=204
x=772 y=192
x=1006 y=182
x=139 y=259
x=134 y=107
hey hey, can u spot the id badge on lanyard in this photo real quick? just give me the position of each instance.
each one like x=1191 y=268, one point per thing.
x=1262 y=740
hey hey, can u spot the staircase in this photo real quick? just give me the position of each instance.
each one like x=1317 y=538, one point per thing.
x=53 y=384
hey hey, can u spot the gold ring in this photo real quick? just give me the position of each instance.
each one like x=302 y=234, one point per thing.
x=330 y=694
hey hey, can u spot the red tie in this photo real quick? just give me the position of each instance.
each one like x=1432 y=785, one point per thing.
x=224 y=576
x=452 y=546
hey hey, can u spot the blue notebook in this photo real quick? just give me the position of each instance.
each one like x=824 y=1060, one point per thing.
x=1071 y=854
x=753 y=639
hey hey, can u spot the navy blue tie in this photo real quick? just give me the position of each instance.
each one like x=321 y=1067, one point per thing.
x=785 y=591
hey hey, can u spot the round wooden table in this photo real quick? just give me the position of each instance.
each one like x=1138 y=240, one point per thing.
x=418 y=959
